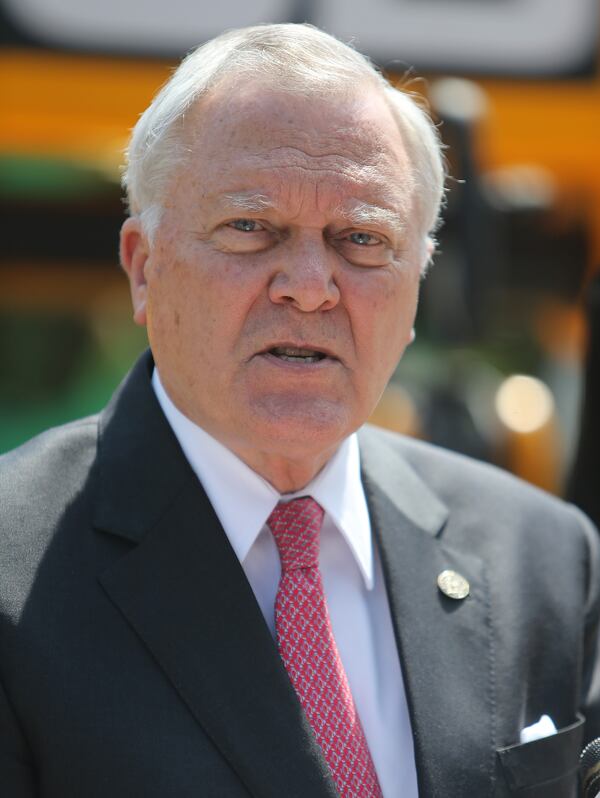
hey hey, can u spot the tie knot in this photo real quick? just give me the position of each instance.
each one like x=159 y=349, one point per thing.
x=295 y=526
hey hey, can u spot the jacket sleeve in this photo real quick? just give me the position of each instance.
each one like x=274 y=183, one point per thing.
x=17 y=776
x=591 y=652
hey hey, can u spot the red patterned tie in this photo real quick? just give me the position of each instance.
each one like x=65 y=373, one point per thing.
x=309 y=652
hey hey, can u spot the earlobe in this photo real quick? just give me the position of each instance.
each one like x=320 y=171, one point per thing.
x=134 y=252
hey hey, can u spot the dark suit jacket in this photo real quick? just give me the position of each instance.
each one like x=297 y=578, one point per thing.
x=135 y=662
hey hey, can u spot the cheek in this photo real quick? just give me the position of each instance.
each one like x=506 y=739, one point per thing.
x=387 y=311
x=175 y=318
x=168 y=296
x=201 y=296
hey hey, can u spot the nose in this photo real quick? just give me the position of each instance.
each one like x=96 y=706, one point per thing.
x=305 y=277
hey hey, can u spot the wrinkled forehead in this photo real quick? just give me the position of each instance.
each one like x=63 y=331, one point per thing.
x=252 y=136
x=242 y=125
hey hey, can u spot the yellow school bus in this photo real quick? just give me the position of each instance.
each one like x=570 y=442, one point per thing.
x=75 y=77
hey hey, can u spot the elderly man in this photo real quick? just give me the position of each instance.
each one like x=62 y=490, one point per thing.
x=216 y=588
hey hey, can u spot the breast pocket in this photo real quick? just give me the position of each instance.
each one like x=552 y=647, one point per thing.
x=547 y=767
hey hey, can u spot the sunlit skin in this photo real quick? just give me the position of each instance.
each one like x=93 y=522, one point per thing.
x=291 y=224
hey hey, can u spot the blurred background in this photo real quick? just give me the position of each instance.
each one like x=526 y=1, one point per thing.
x=503 y=367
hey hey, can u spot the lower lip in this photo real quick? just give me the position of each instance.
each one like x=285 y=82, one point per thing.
x=298 y=366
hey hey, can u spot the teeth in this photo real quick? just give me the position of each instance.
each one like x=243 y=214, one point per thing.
x=293 y=351
x=295 y=354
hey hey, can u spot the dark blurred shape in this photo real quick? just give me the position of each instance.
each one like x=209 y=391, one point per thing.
x=58 y=211
x=584 y=485
x=449 y=423
x=504 y=245
x=541 y=253
x=512 y=251
x=455 y=301
x=65 y=233
x=39 y=355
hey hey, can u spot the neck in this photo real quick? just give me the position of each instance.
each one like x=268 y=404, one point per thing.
x=287 y=474
x=284 y=474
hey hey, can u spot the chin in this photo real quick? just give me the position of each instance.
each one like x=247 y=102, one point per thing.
x=300 y=426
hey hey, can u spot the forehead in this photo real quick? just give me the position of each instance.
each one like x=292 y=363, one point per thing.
x=256 y=137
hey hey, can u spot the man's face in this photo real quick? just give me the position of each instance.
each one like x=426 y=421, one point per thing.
x=281 y=286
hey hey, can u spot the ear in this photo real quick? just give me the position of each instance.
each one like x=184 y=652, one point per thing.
x=427 y=256
x=134 y=252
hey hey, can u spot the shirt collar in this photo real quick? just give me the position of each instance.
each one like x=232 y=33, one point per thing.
x=337 y=488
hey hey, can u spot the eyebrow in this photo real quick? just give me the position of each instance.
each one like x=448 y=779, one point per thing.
x=361 y=213
x=366 y=213
x=244 y=201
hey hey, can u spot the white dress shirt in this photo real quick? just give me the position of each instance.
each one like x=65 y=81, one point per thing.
x=352 y=577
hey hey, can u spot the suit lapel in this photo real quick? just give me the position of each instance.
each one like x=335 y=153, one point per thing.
x=445 y=645
x=183 y=591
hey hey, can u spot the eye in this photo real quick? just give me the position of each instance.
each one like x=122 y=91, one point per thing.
x=246 y=225
x=364 y=239
x=363 y=248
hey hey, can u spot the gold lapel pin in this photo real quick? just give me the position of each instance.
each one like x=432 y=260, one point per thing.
x=453 y=585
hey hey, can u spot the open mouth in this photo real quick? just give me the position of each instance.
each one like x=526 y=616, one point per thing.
x=294 y=354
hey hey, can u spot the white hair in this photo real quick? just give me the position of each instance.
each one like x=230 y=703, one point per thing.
x=299 y=58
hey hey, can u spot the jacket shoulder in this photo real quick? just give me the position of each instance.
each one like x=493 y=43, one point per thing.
x=41 y=477
x=473 y=487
